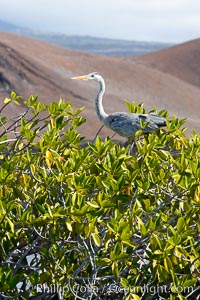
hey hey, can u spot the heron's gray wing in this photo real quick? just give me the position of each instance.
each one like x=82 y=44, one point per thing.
x=160 y=121
x=142 y=119
x=153 y=122
x=125 y=124
x=157 y=120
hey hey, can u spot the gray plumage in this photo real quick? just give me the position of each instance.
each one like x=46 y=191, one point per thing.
x=123 y=123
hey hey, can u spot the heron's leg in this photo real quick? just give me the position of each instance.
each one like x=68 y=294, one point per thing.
x=98 y=133
x=131 y=142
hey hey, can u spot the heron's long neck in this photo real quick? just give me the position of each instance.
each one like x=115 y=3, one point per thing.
x=98 y=103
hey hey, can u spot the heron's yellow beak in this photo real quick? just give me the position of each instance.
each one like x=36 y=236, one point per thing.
x=84 y=77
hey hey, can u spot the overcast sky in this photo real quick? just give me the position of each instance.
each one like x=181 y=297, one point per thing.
x=150 y=20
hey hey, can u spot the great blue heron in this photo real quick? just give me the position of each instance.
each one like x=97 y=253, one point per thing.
x=124 y=123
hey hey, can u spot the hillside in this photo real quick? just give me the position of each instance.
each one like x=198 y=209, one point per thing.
x=182 y=61
x=33 y=67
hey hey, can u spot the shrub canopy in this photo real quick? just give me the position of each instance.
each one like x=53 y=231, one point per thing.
x=96 y=222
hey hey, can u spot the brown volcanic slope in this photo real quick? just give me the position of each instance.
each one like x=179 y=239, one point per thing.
x=182 y=61
x=33 y=67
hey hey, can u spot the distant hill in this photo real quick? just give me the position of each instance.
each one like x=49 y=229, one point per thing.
x=29 y=66
x=181 y=61
x=110 y=47
x=9 y=27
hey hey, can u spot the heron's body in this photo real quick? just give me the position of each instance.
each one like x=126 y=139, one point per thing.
x=125 y=124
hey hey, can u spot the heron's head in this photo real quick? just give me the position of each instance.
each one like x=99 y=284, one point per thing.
x=91 y=76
